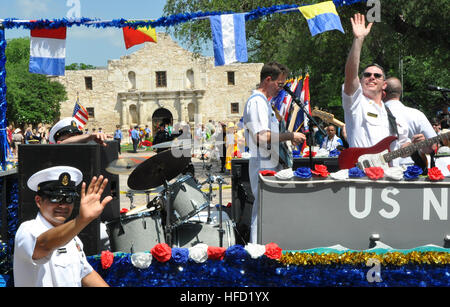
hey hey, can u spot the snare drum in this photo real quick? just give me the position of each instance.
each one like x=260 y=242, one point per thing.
x=136 y=233
x=187 y=200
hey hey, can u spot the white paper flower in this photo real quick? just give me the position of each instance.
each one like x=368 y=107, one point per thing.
x=255 y=250
x=322 y=153
x=340 y=175
x=285 y=174
x=395 y=173
x=199 y=253
x=141 y=260
x=246 y=155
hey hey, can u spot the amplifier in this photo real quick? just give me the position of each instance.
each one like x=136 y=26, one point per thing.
x=241 y=193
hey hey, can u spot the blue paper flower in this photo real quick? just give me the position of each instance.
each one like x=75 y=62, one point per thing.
x=236 y=253
x=412 y=172
x=355 y=172
x=296 y=153
x=180 y=255
x=334 y=153
x=303 y=172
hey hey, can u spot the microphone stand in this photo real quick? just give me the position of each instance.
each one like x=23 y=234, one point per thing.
x=305 y=111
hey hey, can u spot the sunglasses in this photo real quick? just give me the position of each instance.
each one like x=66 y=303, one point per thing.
x=62 y=199
x=369 y=74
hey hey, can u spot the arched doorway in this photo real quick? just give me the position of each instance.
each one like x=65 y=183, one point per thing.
x=161 y=115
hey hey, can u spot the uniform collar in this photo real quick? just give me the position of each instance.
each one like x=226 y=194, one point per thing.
x=41 y=220
x=392 y=102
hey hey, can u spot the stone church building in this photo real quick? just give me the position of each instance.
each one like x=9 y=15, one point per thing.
x=160 y=81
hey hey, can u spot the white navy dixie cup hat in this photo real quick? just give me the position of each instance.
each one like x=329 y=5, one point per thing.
x=64 y=126
x=56 y=179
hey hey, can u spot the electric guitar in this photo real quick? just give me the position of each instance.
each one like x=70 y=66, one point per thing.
x=285 y=151
x=379 y=154
x=327 y=117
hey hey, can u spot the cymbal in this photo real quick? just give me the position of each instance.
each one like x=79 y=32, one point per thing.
x=156 y=170
x=186 y=144
x=124 y=166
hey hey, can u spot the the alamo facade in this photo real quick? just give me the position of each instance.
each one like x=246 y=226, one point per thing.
x=160 y=81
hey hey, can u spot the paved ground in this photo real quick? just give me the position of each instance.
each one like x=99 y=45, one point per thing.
x=201 y=174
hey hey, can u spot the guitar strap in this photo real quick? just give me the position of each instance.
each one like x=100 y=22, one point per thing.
x=392 y=122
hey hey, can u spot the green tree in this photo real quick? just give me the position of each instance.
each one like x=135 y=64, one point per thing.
x=79 y=66
x=31 y=98
x=411 y=42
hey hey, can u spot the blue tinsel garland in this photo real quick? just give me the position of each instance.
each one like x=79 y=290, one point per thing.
x=4 y=145
x=172 y=20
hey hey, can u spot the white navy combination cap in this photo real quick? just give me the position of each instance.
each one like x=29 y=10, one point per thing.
x=56 y=180
x=65 y=126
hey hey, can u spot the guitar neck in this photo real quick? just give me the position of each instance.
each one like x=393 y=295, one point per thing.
x=410 y=149
x=337 y=123
x=327 y=117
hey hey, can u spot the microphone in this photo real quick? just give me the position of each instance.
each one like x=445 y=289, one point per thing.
x=437 y=88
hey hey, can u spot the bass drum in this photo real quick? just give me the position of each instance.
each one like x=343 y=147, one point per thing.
x=136 y=233
x=190 y=234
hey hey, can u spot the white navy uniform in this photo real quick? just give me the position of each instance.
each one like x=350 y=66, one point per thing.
x=64 y=267
x=259 y=116
x=417 y=122
x=367 y=123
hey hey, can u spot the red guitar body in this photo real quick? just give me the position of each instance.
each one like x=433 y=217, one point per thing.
x=349 y=157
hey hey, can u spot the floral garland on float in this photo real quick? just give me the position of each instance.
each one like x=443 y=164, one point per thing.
x=268 y=265
x=397 y=173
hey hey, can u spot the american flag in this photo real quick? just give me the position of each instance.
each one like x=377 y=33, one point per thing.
x=80 y=115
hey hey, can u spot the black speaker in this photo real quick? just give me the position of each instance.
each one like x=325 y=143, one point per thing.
x=107 y=155
x=241 y=199
x=85 y=157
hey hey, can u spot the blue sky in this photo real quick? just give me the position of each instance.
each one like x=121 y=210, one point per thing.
x=83 y=44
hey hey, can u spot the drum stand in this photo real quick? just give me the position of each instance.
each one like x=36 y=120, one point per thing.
x=210 y=181
x=130 y=196
x=220 y=181
x=168 y=202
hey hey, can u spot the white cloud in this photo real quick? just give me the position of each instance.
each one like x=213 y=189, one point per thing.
x=33 y=8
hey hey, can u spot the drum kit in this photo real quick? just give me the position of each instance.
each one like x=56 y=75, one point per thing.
x=179 y=215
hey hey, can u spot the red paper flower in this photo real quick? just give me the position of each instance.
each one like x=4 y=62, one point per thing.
x=448 y=167
x=162 y=252
x=320 y=170
x=123 y=210
x=435 y=174
x=273 y=251
x=267 y=172
x=107 y=259
x=306 y=154
x=374 y=172
x=216 y=253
